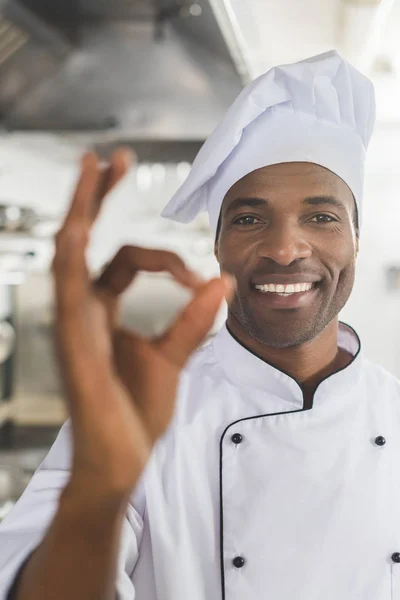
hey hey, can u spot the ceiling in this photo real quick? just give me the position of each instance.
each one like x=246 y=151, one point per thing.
x=366 y=32
x=288 y=30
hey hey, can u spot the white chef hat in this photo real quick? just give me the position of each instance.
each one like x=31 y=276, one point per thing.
x=319 y=110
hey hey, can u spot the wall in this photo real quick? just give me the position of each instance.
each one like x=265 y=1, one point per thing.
x=373 y=310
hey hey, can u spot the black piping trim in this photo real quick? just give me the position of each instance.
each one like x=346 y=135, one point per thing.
x=286 y=373
x=221 y=486
x=261 y=417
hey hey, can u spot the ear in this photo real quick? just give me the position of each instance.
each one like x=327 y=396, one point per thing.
x=216 y=250
x=357 y=248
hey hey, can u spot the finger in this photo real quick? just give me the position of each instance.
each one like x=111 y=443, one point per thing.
x=70 y=271
x=84 y=199
x=192 y=326
x=122 y=270
x=111 y=175
x=121 y=161
x=69 y=265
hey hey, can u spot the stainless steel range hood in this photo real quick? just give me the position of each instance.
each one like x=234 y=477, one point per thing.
x=30 y=52
x=140 y=74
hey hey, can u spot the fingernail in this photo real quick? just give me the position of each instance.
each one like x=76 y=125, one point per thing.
x=128 y=155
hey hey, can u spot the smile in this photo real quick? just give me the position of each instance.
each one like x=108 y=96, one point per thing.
x=285 y=289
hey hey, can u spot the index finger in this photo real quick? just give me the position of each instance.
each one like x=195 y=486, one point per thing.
x=124 y=267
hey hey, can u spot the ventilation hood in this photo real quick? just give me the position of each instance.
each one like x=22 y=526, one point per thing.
x=30 y=51
x=127 y=69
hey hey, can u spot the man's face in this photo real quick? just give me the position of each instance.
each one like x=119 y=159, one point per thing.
x=288 y=225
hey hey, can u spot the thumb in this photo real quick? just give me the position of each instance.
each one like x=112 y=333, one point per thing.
x=193 y=324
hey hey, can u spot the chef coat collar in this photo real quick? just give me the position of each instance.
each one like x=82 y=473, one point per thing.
x=243 y=368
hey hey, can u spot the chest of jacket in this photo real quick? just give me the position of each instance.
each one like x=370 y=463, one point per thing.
x=300 y=504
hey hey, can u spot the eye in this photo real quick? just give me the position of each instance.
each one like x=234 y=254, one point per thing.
x=322 y=219
x=247 y=220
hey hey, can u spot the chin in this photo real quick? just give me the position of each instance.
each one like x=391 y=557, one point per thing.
x=280 y=339
x=289 y=328
x=286 y=332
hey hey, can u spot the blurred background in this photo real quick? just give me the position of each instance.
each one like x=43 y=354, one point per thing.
x=157 y=76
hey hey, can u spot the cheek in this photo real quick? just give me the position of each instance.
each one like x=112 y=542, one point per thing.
x=237 y=247
x=340 y=255
x=234 y=258
x=342 y=270
x=225 y=251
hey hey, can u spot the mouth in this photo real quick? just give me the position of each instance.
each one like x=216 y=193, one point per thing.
x=285 y=289
x=287 y=295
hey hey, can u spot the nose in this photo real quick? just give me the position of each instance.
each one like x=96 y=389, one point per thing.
x=284 y=244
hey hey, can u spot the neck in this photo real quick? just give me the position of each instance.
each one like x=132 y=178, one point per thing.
x=307 y=363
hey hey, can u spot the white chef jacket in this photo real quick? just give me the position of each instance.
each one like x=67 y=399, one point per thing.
x=249 y=496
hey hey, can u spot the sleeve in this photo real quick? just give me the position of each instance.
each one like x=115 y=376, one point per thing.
x=26 y=525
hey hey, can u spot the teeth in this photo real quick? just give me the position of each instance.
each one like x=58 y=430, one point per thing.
x=285 y=289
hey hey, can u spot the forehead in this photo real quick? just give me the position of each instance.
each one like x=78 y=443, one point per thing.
x=292 y=180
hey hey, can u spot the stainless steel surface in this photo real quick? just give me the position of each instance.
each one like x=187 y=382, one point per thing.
x=139 y=70
x=17 y=218
x=30 y=51
x=36 y=369
x=234 y=38
x=7 y=340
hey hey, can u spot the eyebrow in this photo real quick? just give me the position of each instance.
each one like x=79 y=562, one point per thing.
x=255 y=202
x=244 y=202
x=317 y=200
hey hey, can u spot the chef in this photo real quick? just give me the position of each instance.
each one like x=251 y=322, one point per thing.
x=278 y=476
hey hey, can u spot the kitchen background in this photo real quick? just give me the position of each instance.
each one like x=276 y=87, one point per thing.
x=157 y=75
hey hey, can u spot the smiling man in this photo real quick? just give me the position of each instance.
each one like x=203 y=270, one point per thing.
x=289 y=234
x=278 y=477
x=304 y=429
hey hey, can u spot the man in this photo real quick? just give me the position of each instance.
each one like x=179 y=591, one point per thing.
x=277 y=476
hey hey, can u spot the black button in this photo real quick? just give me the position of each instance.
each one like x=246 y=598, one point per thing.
x=237 y=438
x=396 y=557
x=239 y=561
x=380 y=440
